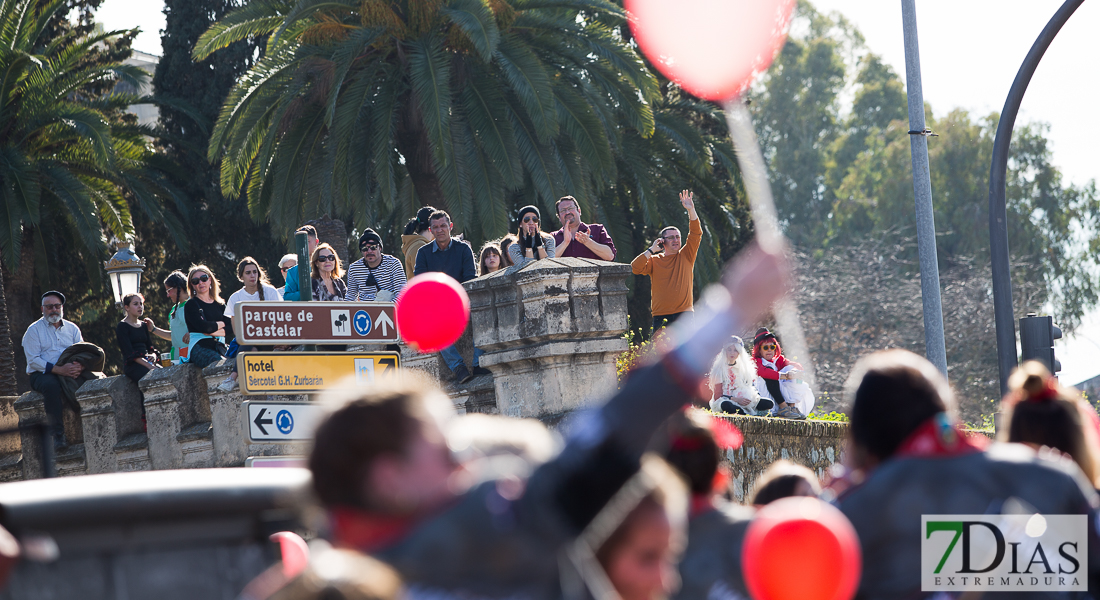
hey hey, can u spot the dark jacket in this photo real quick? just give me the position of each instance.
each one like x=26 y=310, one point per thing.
x=92 y=358
x=457 y=260
x=711 y=565
x=886 y=510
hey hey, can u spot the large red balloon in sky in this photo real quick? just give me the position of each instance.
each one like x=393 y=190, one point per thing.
x=712 y=48
x=432 y=312
x=801 y=548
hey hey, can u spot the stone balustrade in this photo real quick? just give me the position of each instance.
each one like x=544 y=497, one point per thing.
x=551 y=331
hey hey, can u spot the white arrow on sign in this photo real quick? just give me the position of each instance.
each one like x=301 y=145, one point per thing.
x=383 y=322
x=281 y=421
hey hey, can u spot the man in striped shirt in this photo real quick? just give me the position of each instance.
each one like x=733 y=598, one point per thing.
x=377 y=277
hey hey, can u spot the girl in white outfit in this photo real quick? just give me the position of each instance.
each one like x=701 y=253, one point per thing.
x=733 y=382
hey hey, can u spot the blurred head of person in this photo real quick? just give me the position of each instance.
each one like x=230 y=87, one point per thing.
x=783 y=479
x=1040 y=412
x=343 y=575
x=639 y=556
x=505 y=258
x=891 y=394
x=381 y=450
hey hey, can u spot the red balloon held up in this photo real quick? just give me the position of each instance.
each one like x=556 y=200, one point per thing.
x=829 y=559
x=712 y=48
x=432 y=312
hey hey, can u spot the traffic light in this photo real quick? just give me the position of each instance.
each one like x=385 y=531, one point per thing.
x=1037 y=335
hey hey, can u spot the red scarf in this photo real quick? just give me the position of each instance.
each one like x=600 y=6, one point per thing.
x=357 y=529
x=938 y=437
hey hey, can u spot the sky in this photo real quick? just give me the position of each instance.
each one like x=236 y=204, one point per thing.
x=970 y=52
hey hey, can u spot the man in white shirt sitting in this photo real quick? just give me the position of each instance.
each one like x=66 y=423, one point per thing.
x=43 y=344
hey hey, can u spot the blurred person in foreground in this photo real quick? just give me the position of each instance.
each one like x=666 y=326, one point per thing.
x=385 y=472
x=783 y=479
x=911 y=458
x=1041 y=413
x=711 y=565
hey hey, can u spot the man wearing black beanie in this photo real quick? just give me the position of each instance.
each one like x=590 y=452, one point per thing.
x=377 y=277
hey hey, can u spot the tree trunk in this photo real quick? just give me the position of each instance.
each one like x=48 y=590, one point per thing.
x=20 y=305
x=412 y=143
x=8 y=386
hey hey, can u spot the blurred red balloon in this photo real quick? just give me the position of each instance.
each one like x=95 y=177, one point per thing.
x=432 y=312
x=294 y=550
x=712 y=48
x=801 y=548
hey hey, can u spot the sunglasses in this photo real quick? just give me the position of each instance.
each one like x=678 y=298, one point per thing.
x=366 y=247
x=530 y=219
x=284 y=269
x=768 y=347
x=326 y=257
x=200 y=279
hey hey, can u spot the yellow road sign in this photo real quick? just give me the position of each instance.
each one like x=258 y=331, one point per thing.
x=310 y=372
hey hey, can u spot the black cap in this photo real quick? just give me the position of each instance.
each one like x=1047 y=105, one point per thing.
x=761 y=335
x=423 y=215
x=527 y=209
x=370 y=236
x=54 y=293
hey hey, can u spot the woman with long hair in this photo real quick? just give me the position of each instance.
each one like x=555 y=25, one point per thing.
x=489 y=260
x=134 y=341
x=175 y=287
x=256 y=288
x=505 y=257
x=733 y=382
x=327 y=274
x=206 y=320
x=531 y=243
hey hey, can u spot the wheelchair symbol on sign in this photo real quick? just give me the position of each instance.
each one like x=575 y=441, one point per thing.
x=284 y=421
x=362 y=322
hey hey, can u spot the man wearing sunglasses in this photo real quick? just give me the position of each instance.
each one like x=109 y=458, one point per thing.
x=671 y=268
x=287 y=262
x=377 y=276
x=43 y=343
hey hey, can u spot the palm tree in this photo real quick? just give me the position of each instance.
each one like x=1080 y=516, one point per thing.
x=359 y=107
x=67 y=159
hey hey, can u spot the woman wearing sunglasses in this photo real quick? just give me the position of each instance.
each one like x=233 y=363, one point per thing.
x=328 y=283
x=769 y=364
x=206 y=320
x=531 y=243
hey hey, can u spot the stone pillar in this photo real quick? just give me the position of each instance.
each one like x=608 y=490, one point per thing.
x=227 y=426
x=32 y=411
x=70 y=459
x=551 y=332
x=11 y=445
x=177 y=412
x=110 y=410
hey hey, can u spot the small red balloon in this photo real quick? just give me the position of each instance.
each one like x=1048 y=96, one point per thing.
x=828 y=562
x=432 y=312
x=712 y=48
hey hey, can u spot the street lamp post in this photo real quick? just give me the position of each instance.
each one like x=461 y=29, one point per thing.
x=124 y=270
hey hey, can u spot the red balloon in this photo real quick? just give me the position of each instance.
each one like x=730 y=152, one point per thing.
x=801 y=548
x=295 y=552
x=712 y=48
x=432 y=312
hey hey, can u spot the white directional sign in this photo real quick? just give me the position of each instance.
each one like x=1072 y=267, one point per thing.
x=281 y=421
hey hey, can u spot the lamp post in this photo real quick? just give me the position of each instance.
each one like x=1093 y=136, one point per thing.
x=124 y=270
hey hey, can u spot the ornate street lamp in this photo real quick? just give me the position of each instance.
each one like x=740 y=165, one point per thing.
x=124 y=270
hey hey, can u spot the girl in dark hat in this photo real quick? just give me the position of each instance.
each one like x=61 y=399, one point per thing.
x=531 y=243
x=769 y=362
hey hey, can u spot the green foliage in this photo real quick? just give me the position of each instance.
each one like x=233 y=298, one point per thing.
x=829 y=416
x=638 y=350
x=841 y=175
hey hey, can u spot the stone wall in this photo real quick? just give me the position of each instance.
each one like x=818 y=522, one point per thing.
x=550 y=332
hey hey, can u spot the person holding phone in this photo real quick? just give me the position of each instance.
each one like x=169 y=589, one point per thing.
x=670 y=265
